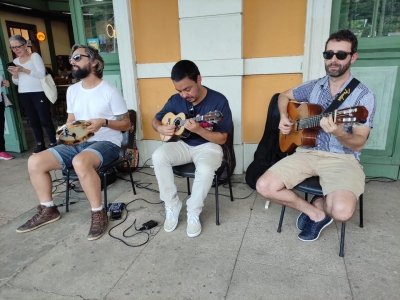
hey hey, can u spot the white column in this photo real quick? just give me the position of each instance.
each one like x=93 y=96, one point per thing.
x=318 y=22
x=211 y=36
x=127 y=58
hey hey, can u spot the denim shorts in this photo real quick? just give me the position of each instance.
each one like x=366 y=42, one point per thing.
x=106 y=151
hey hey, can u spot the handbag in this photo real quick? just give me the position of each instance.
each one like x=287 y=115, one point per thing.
x=7 y=101
x=49 y=88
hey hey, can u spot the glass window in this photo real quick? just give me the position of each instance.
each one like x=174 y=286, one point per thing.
x=100 y=28
x=371 y=18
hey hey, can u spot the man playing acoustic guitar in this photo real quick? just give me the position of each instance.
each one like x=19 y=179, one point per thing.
x=335 y=156
x=202 y=146
x=96 y=101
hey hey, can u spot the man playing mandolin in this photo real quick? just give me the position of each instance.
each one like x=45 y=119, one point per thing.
x=201 y=146
x=102 y=106
x=335 y=156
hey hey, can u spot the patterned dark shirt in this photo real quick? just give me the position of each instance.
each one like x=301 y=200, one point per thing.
x=318 y=92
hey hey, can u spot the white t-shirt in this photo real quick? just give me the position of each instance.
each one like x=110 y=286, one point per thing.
x=104 y=101
x=30 y=83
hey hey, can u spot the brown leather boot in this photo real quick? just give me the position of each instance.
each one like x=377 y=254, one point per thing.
x=99 y=225
x=45 y=216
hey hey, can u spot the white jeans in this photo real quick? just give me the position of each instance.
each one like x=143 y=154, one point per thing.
x=207 y=158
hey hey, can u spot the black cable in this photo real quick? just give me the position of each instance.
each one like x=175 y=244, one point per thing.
x=134 y=224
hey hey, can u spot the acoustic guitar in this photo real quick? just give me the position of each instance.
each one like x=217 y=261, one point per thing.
x=306 y=118
x=179 y=121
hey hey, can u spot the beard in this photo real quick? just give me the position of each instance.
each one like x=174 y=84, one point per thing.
x=339 y=72
x=79 y=73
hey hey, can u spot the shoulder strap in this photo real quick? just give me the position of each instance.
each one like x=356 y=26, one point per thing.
x=343 y=95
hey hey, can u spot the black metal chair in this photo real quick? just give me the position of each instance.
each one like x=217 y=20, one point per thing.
x=70 y=174
x=188 y=171
x=311 y=186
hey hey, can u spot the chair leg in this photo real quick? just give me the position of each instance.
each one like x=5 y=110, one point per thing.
x=67 y=193
x=216 y=200
x=342 y=239
x=281 y=218
x=361 y=211
x=133 y=184
x=229 y=181
x=188 y=185
x=105 y=189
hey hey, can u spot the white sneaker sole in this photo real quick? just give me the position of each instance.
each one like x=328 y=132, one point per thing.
x=176 y=224
x=197 y=233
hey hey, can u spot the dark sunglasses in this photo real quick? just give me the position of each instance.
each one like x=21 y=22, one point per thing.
x=191 y=112
x=77 y=57
x=340 y=55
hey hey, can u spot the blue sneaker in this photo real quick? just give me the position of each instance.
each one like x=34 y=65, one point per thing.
x=303 y=219
x=313 y=229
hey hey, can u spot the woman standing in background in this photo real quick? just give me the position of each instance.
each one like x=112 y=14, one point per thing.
x=3 y=154
x=26 y=74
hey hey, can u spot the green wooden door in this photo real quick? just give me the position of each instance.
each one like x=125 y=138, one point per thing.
x=93 y=24
x=375 y=22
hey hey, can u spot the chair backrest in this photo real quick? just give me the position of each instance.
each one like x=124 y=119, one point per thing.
x=229 y=157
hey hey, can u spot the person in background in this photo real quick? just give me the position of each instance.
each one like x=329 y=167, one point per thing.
x=3 y=154
x=64 y=73
x=26 y=74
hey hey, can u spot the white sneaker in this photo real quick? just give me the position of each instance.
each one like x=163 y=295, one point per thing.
x=172 y=216
x=193 y=225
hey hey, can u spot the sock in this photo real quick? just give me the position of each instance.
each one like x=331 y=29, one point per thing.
x=97 y=209
x=48 y=204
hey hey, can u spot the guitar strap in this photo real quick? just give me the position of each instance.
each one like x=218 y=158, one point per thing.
x=343 y=95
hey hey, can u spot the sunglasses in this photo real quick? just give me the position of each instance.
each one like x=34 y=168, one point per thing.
x=340 y=55
x=77 y=57
x=191 y=112
x=16 y=47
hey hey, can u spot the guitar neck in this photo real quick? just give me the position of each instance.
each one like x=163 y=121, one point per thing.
x=311 y=122
x=196 y=119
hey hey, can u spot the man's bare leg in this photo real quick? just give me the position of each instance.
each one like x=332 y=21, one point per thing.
x=39 y=166
x=271 y=187
x=85 y=165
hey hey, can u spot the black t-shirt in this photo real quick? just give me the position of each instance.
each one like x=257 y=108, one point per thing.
x=213 y=101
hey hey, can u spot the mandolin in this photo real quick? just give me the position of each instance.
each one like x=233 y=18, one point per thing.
x=179 y=121
x=306 y=118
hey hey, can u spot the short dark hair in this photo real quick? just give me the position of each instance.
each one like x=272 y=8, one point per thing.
x=94 y=56
x=344 y=35
x=183 y=69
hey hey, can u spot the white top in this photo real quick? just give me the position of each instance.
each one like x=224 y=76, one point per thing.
x=103 y=101
x=30 y=83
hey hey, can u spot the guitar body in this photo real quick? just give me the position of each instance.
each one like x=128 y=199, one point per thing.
x=306 y=137
x=178 y=121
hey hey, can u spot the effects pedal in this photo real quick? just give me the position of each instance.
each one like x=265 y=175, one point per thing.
x=115 y=210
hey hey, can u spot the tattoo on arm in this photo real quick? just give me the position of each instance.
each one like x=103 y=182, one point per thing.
x=124 y=116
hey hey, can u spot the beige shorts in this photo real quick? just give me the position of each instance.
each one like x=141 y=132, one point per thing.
x=336 y=171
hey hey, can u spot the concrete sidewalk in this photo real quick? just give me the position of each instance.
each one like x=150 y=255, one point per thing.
x=243 y=258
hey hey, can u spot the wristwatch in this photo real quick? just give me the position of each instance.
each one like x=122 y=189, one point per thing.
x=106 y=124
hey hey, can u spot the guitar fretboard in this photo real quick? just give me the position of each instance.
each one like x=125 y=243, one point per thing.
x=311 y=122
